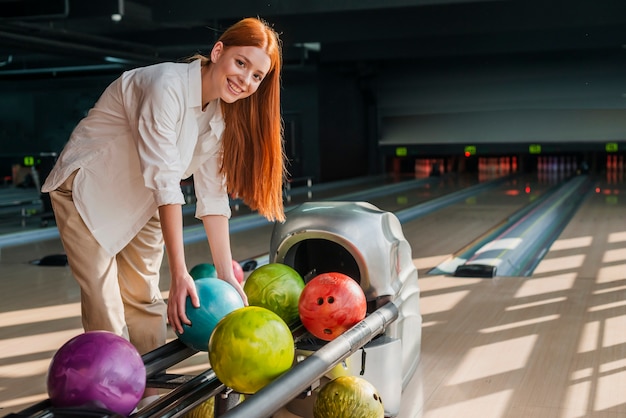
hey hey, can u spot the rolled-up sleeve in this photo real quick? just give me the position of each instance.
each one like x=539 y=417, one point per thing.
x=210 y=187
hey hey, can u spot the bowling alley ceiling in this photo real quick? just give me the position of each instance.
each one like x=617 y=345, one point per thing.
x=41 y=38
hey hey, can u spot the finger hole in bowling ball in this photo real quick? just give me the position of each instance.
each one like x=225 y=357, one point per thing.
x=330 y=299
x=320 y=301
x=327 y=331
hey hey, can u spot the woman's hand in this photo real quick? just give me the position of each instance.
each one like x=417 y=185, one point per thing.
x=181 y=287
x=216 y=228
x=233 y=281
x=181 y=283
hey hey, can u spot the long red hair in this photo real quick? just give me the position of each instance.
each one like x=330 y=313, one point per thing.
x=254 y=157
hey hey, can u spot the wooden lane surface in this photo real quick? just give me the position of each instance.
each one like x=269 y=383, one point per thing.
x=552 y=345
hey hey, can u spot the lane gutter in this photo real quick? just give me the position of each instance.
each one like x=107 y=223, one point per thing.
x=517 y=245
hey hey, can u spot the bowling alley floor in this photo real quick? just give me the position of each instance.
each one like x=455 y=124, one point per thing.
x=549 y=345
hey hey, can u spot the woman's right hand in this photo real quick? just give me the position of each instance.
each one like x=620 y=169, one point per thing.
x=181 y=287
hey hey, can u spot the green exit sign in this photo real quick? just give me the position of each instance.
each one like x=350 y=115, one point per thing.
x=534 y=149
x=401 y=152
x=611 y=147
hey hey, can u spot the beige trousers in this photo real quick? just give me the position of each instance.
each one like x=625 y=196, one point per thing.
x=120 y=293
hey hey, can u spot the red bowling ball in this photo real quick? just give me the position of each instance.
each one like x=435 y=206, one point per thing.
x=330 y=304
x=238 y=270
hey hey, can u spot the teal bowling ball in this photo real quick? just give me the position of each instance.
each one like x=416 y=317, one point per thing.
x=202 y=271
x=217 y=299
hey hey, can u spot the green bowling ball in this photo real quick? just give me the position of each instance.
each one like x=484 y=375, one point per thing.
x=276 y=287
x=203 y=271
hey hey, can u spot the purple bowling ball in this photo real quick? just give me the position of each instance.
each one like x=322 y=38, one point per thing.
x=97 y=369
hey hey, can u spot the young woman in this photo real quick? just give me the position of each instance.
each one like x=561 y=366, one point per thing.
x=115 y=188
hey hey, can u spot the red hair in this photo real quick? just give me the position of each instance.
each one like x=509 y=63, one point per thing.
x=254 y=157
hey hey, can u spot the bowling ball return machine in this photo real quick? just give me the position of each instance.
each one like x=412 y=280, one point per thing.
x=367 y=244
x=353 y=238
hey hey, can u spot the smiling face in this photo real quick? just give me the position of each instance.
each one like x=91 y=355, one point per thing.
x=237 y=72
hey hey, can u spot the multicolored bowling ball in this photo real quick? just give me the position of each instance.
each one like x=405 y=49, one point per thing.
x=276 y=287
x=249 y=348
x=217 y=298
x=330 y=304
x=202 y=271
x=348 y=397
x=97 y=369
x=205 y=410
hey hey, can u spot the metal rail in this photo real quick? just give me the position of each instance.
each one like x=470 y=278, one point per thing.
x=517 y=245
x=295 y=381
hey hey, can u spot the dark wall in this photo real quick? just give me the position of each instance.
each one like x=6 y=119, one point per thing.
x=39 y=115
x=342 y=138
x=540 y=98
x=300 y=102
x=341 y=118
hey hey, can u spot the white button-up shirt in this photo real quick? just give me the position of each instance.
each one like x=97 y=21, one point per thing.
x=145 y=134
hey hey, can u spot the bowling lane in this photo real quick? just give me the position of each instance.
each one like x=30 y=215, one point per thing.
x=437 y=236
x=595 y=239
x=450 y=306
x=525 y=346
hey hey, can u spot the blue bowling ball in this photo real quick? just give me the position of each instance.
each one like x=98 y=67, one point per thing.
x=217 y=298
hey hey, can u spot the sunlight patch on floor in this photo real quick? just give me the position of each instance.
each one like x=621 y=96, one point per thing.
x=26 y=400
x=39 y=343
x=36 y=315
x=582 y=374
x=609 y=290
x=25 y=369
x=614 y=332
x=617 y=237
x=517 y=324
x=607 y=306
x=544 y=285
x=577 y=396
x=442 y=302
x=490 y=359
x=612 y=256
x=494 y=405
x=610 y=392
x=571 y=243
x=557 y=264
x=610 y=274
x=535 y=304
x=588 y=341
x=429 y=262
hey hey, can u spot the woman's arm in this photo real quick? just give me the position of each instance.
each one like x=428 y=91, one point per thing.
x=181 y=284
x=216 y=227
